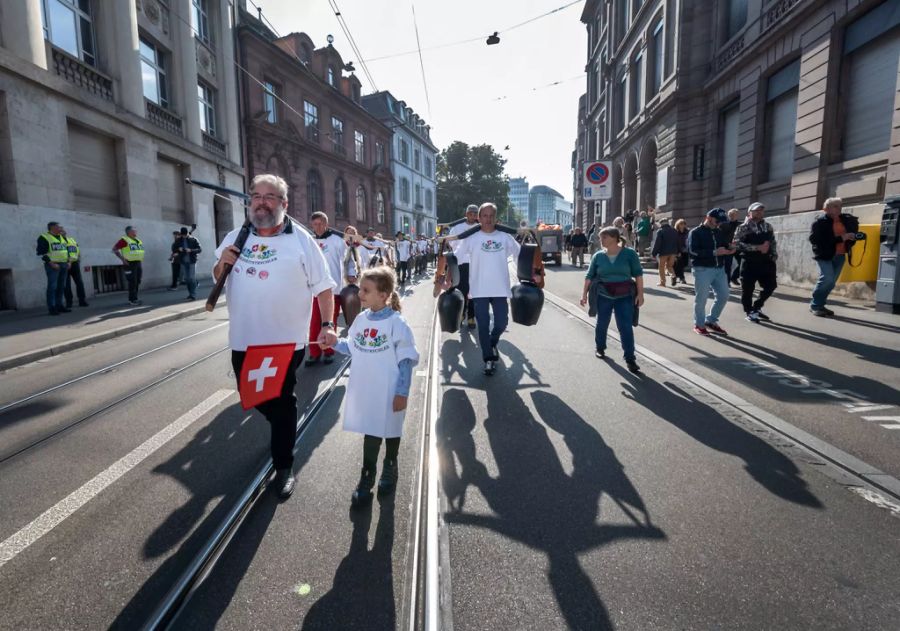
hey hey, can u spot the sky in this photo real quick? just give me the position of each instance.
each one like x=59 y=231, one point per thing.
x=477 y=93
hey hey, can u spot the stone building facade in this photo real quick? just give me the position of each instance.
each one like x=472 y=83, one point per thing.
x=783 y=101
x=303 y=119
x=105 y=109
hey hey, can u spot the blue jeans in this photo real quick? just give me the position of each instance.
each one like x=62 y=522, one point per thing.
x=487 y=337
x=624 y=310
x=704 y=279
x=56 y=285
x=829 y=270
x=190 y=279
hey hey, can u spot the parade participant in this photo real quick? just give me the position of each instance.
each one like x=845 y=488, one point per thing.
x=487 y=252
x=707 y=251
x=175 y=260
x=614 y=283
x=404 y=253
x=270 y=295
x=372 y=247
x=383 y=351
x=188 y=249
x=832 y=236
x=681 y=260
x=755 y=241
x=130 y=250
x=333 y=247
x=470 y=222
x=54 y=252
x=74 y=273
x=387 y=253
x=579 y=243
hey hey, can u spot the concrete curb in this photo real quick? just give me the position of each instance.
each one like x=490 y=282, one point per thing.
x=63 y=347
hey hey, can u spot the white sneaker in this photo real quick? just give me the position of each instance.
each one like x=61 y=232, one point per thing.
x=753 y=316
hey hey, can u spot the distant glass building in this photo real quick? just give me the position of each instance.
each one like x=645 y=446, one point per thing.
x=518 y=194
x=548 y=206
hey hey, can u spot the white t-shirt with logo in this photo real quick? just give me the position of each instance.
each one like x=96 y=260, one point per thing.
x=334 y=248
x=404 y=248
x=455 y=230
x=271 y=288
x=487 y=254
x=365 y=254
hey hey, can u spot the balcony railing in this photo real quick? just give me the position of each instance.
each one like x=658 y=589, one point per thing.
x=163 y=118
x=79 y=73
x=213 y=144
x=729 y=54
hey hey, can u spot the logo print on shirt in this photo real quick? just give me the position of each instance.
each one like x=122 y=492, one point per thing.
x=491 y=246
x=260 y=252
x=370 y=340
x=263 y=275
x=251 y=271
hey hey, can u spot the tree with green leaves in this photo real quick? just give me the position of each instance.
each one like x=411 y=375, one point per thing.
x=471 y=175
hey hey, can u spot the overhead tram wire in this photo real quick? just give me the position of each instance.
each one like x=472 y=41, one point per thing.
x=421 y=63
x=479 y=38
x=541 y=87
x=346 y=28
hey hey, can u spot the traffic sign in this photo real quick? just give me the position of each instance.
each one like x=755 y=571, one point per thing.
x=596 y=180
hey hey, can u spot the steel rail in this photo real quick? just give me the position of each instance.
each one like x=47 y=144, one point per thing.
x=167 y=612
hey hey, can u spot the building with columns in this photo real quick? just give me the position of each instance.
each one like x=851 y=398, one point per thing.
x=413 y=163
x=105 y=109
x=722 y=103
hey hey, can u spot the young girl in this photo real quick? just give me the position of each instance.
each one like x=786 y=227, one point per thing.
x=381 y=346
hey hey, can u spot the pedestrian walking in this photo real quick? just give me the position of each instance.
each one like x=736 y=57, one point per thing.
x=614 y=284
x=665 y=248
x=681 y=260
x=728 y=229
x=188 y=249
x=270 y=297
x=579 y=244
x=832 y=236
x=381 y=346
x=642 y=233
x=707 y=251
x=594 y=239
x=130 y=250
x=567 y=242
x=74 y=273
x=755 y=240
x=53 y=249
x=404 y=253
x=175 y=260
x=488 y=252
x=463 y=262
x=333 y=247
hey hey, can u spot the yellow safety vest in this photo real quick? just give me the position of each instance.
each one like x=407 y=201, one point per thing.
x=74 y=252
x=59 y=250
x=134 y=251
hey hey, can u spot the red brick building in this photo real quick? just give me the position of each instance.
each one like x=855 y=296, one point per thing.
x=306 y=124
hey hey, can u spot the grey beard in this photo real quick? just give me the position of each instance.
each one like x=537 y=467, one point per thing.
x=270 y=220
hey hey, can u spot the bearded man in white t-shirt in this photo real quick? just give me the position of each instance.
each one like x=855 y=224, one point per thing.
x=270 y=293
x=488 y=252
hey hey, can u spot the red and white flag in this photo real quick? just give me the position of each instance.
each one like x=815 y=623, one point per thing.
x=263 y=373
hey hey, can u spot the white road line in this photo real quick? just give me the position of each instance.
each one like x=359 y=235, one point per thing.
x=63 y=509
x=881 y=419
x=866 y=408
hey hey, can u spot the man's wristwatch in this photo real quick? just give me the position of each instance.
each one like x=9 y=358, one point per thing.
x=328 y=324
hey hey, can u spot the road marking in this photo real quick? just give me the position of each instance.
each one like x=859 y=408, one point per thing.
x=878 y=499
x=866 y=408
x=881 y=418
x=66 y=507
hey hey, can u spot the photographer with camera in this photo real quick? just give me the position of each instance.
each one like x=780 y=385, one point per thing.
x=832 y=236
x=755 y=241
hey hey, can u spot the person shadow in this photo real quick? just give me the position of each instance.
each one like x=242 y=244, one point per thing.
x=362 y=594
x=667 y=401
x=532 y=500
x=876 y=354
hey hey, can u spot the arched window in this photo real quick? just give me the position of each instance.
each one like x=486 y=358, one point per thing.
x=361 y=214
x=313 y=191
x=379 y=207
x=340 y=198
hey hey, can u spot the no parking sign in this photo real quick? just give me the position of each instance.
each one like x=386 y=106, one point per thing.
x=596 y=180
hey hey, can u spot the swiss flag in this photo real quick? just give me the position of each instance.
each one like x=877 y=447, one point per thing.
x=263 y=373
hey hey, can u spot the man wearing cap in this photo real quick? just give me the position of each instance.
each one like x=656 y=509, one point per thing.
x=130 y=250
x=188 y=249
x=463 y=261
x=755 y=240
x=707 y=252
x=53 y=249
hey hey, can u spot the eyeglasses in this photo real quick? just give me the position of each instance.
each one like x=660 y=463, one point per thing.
x=269 y=197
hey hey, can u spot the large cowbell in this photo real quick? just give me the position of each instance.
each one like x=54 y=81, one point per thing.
x=350 y=303
x=450 y=309
x=526 y=303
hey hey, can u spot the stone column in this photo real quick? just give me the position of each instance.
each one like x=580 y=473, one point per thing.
x=22 y=30
x=186 y=64
x=228 y=96
x=128 y=57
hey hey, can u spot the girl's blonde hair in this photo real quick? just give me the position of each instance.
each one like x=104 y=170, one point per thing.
x=681 y=223
x=385 y=282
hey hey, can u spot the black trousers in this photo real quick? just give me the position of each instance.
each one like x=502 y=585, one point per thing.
x=463 y=287
x=176 y=272
x=281 y=412
x=403 y=271
x=74 y=275
x=133 y=273
x=681 y=262
x=752 y=272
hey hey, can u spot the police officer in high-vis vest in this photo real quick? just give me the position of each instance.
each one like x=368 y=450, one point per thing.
x=53 y=249
x=130 y=251
x=74 y=273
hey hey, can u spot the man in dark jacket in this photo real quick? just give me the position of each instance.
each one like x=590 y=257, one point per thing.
x=755 y=240
x=707 y=252
x=188 y=249
x=666 y=246
x=579 y=245
x=832 y=236
x=728 y=229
